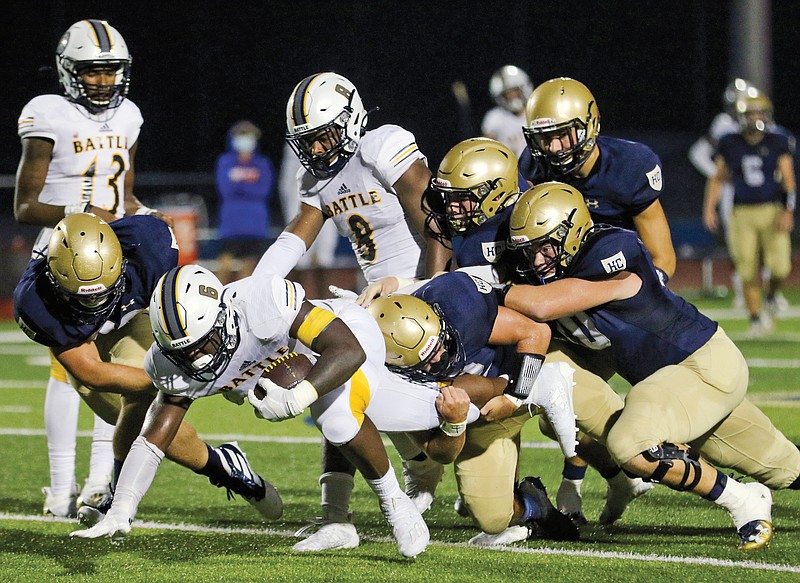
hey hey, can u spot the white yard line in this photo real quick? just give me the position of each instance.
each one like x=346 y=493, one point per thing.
x=649 y=558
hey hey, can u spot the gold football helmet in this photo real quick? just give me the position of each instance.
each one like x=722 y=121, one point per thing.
x=86 y=266
x=754 y=111
x=562 y=109
x=555 y=213
x=476 y=179
x=419 y=342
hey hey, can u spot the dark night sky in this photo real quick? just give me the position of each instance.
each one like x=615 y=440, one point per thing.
x=654 y=67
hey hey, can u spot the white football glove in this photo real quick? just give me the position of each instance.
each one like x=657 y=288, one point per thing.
x=111 y=526
x=277 y=405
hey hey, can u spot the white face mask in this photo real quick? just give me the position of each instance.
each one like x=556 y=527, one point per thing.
x=244 y=143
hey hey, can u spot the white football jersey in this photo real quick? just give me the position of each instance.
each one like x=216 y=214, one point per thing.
x=363 y=204
x=90 y=158
x=505 y=127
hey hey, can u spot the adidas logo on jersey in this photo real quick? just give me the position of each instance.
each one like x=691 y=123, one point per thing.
x=105 y=128
x=246 y=364
x=343 y=189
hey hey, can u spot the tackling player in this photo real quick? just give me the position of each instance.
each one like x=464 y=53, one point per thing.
x=688 y=395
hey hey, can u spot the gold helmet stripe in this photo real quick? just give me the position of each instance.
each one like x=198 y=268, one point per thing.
x=300 y=103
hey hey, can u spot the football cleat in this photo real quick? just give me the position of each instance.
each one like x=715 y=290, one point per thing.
x=550 y=524
x=90 y=514
x=61 y=505
x=329 y=536
x=752 y=516
x=421 y=479
x=755 y=534
x=408 y=526
x=621 y=491
x=512 y=534
x=570 y=502
x=243 y=480
x=95 y=493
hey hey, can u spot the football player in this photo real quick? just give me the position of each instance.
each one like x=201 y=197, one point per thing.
x=701 y=155
x=86 y=300
x=450 y=326
x=620 y=180
x=688 y=395
x=370 y=184
x=77 y=155
x=214 y=339
x=510 y=88
x=759 y=161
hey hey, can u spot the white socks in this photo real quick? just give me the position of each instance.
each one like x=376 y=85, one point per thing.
x=61 y=404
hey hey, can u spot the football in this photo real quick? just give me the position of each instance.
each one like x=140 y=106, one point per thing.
x=286 y=372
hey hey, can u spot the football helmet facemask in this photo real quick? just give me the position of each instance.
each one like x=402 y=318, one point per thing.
x=562 y=109
x=325 y=120
x=86 y=267
x=416 y=333
x=193 y=321
x=754 y=112
x=504 y=80
x=550 y=213
x=476 y=179
x=93 y=44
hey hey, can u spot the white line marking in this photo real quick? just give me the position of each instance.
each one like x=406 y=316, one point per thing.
x=22 y=384
x=16 y=409
x=650 y=558
x=773 y=362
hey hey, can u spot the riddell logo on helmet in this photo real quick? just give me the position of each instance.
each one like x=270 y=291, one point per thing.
x=441 y=182
x=428 y=348
x=91 y=289
x=542 y=122
x=518 y=239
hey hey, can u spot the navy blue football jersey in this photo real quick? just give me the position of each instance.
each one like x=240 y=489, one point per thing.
x=625 y=180
x=469 y=304
x=653 y=329
x=754 y=168
x=485 y=244
x=150 y=249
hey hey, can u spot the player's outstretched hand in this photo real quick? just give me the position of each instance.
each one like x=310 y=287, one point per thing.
x=499 y=408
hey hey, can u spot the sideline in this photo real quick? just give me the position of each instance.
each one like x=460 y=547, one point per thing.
x=649 y=558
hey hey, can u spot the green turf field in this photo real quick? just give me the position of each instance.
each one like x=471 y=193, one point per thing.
x=187 y=530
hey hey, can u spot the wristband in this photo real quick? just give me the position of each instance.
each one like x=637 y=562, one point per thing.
x=453 y=429
x=144 y=210
x=74 y=209
x=529 y=367
x=304 y=394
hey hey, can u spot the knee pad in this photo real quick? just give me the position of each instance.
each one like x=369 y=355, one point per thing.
x=666 y=454
x=339 y=429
